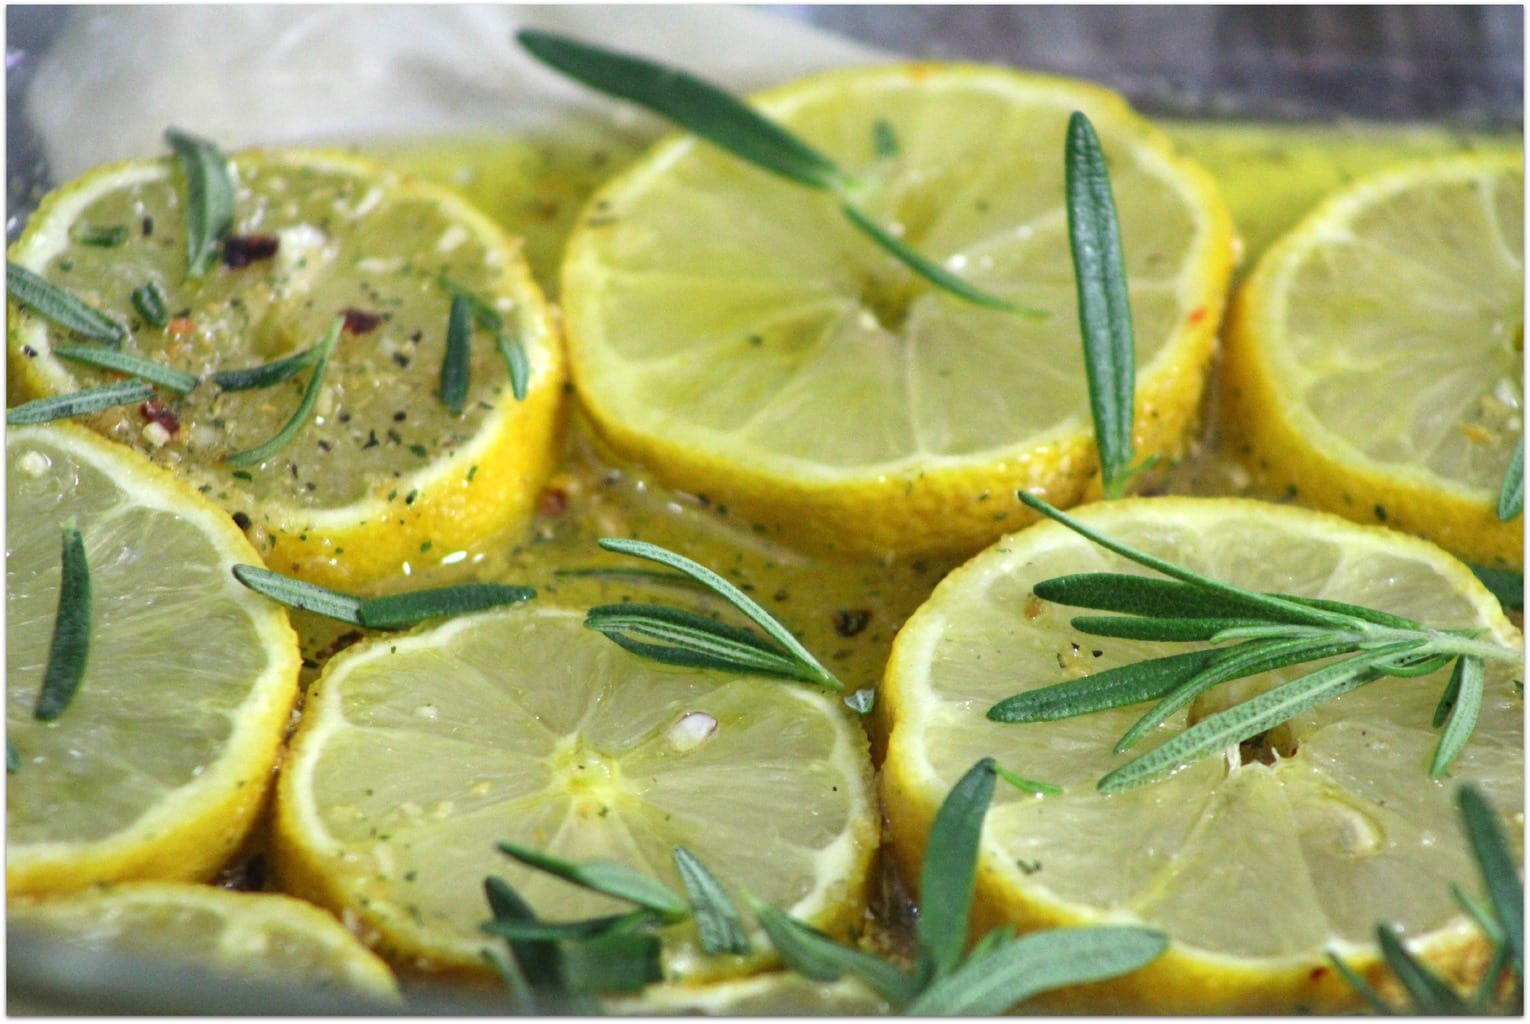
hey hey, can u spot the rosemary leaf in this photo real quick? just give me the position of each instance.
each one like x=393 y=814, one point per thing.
x=717 y=922
x=536 y=962
x=1247 y=659
x=150 y=303
x=698 y=106
x=455 y=364
x=1104 y=309
x=101 y=236
x=1144 y=627
x=209 y=198
x=1505 y=584
x=125 y=362
x=70 y=645
x=614 y=961
x=537 y=930
x=59 y=306
x=812 y=954
x=1112 y=688
x=932 y=271
x=1361 y=986
x=300 y=594
x=950 y=867
x=606 y=877
x=1430 y=994
x=1511 y=493
x=400 y=611
x=759 y=616
x=691 y=639
x=1009 y=972
x=1465 y=688
x=78 y=403
x=1144 y=595
x=1026 y=785
x=1498 y=864
x=510 y=347
x=1257 y=714
x=294 y=425
x=268 y=374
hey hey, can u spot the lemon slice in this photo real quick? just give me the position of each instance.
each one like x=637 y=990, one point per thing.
x=162 y=761
x=736 y=332
x=1254 y=864
x=417 y=756
x=241 y=934
x=767 y=994
x=383 y=477
x=1375 y=355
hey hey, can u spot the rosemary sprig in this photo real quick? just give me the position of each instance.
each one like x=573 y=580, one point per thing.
x=392 y=611
x=78 y=403
x=999 y=972
x=1104 y=309
x=125 y=362
x=733 y=125
x=456 y=369
x=60 y=306
x=299 y=418
x=209 y=198
x=149 y=301
x=1501 y=919
x=1256 y=633
x=70 y=645
x=1511 y=493
x=680 y=637
x=511 y=349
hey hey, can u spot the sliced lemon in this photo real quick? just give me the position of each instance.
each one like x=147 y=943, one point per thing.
x=416 y=756
x=1375 y=355
x=162 y=761
x=735 y=332
x=1254 y=864
x=242 y=934
x=383 y=473
x=767 y=994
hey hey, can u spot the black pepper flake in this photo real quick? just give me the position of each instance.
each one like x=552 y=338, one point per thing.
x=402 y=360
x=148 y=227
x=242 y=520
x=850 y=622
x=400 y=416
x=242 y=250
x=372 y=441
x=361 y=321
x=324 y=445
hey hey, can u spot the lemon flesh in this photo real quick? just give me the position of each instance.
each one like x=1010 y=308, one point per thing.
x=1375 y=356
x=242 y=934
x=159 y=765
x=382 y=470
x=417 y=756
x=1256 y=862
x=736 y=332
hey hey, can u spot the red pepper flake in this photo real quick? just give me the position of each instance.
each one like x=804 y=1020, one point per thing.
x=242 y=250
x=154 y=411
x=181 y=326
x=552 y=501
x=361 y=321
x=850 y=622
x=1197 y=314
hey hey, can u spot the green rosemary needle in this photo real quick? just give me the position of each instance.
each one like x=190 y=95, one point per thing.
x=392 y=611
x=209 y=192
x=70 y=645
x=731 y=124
x=60 y=306
x=299 y=418
x=125 y=362
x=511 y=349
x=455 y=365
x=1511 y=494
x=149 y=301
x=1254 y=633
x=78 y=403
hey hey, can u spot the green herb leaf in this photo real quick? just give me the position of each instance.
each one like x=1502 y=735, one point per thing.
x=606 y=877
x=78 y=403
x=299 y=419
x=388 y=612
x=1025 y=785
x=932 y=271
x=1174 y=599
x=71 y=631
x=59 y=306
x=950 y=867
x=1113 y=688
x=1361 y=986
x=1013 y=971
x=269 y=374
x=1143 y=627
x=455 y=364
x=717 y=922
x=614 y=961
x=1465 y=694
x=511 y=348
x=293 y=593
x=884 y=139
x=690 y=639
x=1430 y=994
x=101 y=236
x=209 y=198
x=1495 y=858
x=536 y=962
x=698 y=106
x=1104 y=309
x=1505 y=584
x=759 y=616
x=125 y=362
x=536 y=930
x=150 y=303
x=1511 y=494
x=815 y=956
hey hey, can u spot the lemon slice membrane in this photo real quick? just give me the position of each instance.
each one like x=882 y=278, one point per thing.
x=382 y=473
x=1255 y=862
x=735 y=332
